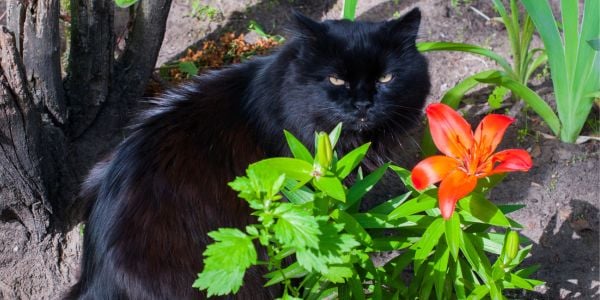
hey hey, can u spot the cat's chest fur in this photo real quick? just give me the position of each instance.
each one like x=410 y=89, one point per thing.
x=165 y=186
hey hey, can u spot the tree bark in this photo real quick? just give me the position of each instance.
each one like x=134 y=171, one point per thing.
x=53 y=130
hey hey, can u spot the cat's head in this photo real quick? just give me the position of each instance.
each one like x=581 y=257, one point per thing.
x=368 y=75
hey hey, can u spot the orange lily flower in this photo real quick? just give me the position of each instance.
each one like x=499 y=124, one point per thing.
x=467 y=156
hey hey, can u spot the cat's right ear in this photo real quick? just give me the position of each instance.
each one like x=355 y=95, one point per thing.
x=407 y=27
x=307 y=27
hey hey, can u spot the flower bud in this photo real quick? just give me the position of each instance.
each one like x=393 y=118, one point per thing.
x=324 y=154
x=511 y=248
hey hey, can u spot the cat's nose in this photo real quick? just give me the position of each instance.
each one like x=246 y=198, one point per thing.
x=362 y=105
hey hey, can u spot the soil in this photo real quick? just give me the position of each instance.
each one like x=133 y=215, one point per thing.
x=561 y=192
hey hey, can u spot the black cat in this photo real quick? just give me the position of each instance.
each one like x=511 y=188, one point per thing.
x=165 y=186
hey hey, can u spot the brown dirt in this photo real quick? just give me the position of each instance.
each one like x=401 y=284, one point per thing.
x=561 y=191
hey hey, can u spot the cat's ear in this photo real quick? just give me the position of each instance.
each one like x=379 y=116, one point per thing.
x=307 y=27
x=405 y=28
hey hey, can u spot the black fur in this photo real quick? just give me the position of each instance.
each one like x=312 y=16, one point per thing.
x=164 y=187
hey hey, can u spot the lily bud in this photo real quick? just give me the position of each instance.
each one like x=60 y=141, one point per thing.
x=511 y=248
x=324 y=155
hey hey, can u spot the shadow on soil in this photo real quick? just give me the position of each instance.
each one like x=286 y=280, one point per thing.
x=555 y=252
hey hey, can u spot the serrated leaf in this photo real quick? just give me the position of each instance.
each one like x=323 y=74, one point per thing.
x=297 y=148
x=220 y=282
x=226 y=261
x=232 y=249
x=351 y=160
x=295 y=227
x=352 y=226
x=332 y=247
x=260 y=183
x=497 y=97
x=338 y=274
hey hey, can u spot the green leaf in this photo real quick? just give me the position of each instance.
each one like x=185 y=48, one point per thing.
x=349 y=9
x=447 y=46
x=356 y=287
x=361 y=187
x=292 y=271
x=497 y=97
x=220 y=282
x=520 y=282
x=475 y=256
x=421 y=203
x=452 y=234
x=429 y=239
x=297 y=194
x=403 y=174
x=331 y=249
x=332 y=186
x=334 y=135
x=388 y=206
x=509 y=208
x=226 y=261
x=351 y=160
x=479 y=293
x=297 y=169
x=352 y=226
x=338 y=274
x=391 y=243
x=125 y=3
x=297 y=148
x=440 y=268
x=260 y=183
x=530 y=97
x=295 y=227
x=480 y=208
x=188 y=67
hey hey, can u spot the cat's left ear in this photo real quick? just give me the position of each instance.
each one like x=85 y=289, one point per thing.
x=405 y=28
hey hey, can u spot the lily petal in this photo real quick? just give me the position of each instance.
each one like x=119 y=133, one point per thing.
x=455 y=186
x=511 y=160
x=489 y=133
x=451 y=133
x=432 y=170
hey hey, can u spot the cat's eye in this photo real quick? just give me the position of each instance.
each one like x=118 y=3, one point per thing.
x=336 y=81
x=385 y=78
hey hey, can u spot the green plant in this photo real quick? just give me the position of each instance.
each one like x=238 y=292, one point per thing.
x=319 y=228
x=256 y=28
x=573 y=59
x=349 y=9
x=125 y=3
x=203 y=12
x=513 y=77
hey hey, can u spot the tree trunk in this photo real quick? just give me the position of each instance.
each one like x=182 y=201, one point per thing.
x=53 y=129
